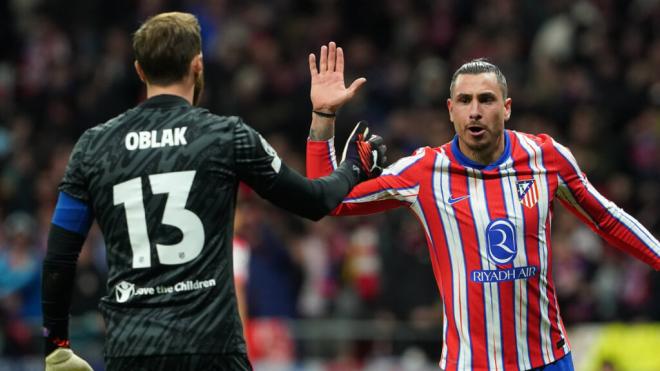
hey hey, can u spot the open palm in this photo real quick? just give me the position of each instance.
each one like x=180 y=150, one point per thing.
x=328 y=91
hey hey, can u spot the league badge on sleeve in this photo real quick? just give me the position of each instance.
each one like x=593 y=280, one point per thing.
x=528 y=193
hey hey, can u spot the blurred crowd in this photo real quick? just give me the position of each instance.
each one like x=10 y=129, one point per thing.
x=586 y=72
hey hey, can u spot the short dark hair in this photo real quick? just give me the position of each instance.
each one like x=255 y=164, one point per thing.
x=165 y=45
x=477 y=66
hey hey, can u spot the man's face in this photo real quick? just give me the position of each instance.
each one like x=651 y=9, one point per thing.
x=478 y=110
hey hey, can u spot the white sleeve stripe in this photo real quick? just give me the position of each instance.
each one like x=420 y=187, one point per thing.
x=626 y=220
x=644 y=231
x=568 y=156
x=331 y=152
x=403 y=164
x=408 y=194
x=566 y=194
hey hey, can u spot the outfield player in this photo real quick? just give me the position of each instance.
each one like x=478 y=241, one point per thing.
x=485 y=202
x=161 y=181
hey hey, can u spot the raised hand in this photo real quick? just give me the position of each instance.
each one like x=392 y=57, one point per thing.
x=328 y=91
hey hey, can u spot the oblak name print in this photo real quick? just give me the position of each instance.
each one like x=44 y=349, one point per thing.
x=156 y=138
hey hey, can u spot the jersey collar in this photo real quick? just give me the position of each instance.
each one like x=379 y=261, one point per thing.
x=164 y=101
x=465 y=161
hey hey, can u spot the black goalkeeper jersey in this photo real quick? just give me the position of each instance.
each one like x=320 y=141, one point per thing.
x=162 y=180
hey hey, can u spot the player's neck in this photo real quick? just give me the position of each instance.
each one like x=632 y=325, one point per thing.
x=485 y=156
x=182 y=90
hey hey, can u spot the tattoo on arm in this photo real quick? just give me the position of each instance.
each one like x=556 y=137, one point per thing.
x=320 y=133
x=313 y=135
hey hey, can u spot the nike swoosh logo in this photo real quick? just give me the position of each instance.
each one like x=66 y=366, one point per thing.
x=452 y=201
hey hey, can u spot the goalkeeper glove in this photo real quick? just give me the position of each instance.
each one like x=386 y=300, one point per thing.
x=63 y=359
x=365 y=151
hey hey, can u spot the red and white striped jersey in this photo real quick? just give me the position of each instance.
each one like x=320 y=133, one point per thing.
x=241 y=259
x=488 y=233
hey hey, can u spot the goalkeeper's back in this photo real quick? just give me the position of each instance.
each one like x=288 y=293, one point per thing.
x=162 y=182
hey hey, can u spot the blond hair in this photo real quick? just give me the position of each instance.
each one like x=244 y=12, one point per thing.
x=165 y=45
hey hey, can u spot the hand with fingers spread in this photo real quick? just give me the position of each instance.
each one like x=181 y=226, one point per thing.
x=328 y=91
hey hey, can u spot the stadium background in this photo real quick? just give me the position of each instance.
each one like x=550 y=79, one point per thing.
x=349 y=293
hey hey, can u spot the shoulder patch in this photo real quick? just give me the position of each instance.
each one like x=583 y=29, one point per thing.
x=277 y=162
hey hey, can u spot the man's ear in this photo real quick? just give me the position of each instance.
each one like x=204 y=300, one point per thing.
x=197 y=64
x=507 y=109
x=140 y=72
x=449 y=106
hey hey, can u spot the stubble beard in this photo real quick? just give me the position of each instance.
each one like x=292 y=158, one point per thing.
x=483 y=147
x=199 y=88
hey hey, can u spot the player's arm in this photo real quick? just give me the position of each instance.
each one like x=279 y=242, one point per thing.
x=259 y=166
x=70 y=224
x=327 y=94
x=609 y=221
x=397 y=186
x=309 y=198
x=288 y=189
x=68 y=230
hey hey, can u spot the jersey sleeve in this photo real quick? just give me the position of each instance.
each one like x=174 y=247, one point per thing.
x=396 y=187
x=75 y=181
x=71 y=220
x=259 y=166
x=609 y=221
x=257 y=163
x=321 y=158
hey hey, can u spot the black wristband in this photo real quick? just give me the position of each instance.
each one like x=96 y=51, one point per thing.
x=324 y=114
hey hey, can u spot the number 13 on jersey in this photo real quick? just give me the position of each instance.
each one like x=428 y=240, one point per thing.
x=177 y=186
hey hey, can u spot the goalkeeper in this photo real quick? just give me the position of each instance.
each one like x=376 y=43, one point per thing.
x=161 y=181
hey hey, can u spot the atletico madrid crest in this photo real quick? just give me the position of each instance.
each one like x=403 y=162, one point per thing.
x=528 y=193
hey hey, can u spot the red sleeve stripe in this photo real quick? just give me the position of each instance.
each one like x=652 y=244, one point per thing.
x=320 y=158
x=626 y=221
x=565 y=193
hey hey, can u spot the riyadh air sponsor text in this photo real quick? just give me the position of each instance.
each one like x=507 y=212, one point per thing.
x=501 y=275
